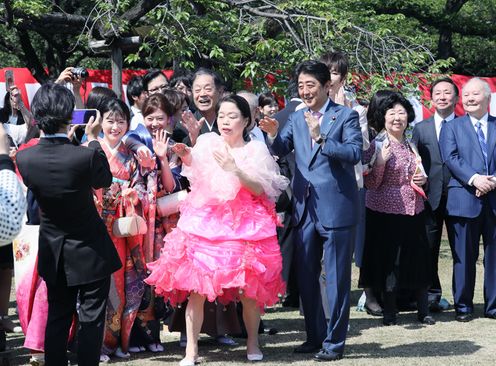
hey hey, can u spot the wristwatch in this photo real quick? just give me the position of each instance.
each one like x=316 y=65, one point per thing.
x=321 y=139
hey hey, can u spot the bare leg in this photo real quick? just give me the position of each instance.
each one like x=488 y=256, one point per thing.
x=251 y=317
x=194 y=321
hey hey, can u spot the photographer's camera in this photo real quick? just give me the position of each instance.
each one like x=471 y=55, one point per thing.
x=79 y=72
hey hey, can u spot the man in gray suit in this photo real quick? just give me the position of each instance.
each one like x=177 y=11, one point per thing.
x=444 y=96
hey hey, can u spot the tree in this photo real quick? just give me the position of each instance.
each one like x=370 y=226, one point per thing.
x=462 y=29
x=389 y=42
x=55 y=34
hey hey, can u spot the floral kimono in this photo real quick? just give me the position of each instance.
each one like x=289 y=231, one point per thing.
x=127 y=195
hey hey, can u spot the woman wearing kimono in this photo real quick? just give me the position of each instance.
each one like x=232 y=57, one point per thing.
x=126 y=195
x=159 y=113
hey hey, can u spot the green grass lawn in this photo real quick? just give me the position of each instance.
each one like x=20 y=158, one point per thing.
x=409 y=343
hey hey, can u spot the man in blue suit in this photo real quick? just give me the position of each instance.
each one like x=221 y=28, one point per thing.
x=467 y=147
x=327 y=143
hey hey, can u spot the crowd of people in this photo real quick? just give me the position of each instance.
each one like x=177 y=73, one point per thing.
x=198 y=200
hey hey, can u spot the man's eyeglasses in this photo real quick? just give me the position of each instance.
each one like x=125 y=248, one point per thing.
x=158 y=89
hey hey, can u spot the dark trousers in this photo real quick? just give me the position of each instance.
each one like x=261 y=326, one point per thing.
x=61 y=309
x=434 y=220
x=465 y=235
x=334 y=247
x=286 y=241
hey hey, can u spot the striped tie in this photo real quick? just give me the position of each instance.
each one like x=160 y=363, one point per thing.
x=482 y=142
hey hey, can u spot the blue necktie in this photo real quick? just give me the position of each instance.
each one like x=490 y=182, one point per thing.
x=482 y=142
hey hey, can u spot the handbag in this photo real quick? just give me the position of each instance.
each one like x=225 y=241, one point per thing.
x=168 y=205
x=131 y=225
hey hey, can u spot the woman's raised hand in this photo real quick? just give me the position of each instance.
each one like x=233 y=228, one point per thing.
x=269 y=125
x=160 y=144
x=181 y=149
x=225 y=159
x=93 y=127
x=384 y=154
x=145 y=158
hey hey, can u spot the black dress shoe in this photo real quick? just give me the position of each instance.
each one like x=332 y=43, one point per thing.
x=291 y=303
x=271 y=331
x=434 y=307
x=389 y=319
x=464 y=317
x=427 y=319
x=307 y=347
x=325 y=355
x=389 y=322
x=373 y=309
x=490 y=316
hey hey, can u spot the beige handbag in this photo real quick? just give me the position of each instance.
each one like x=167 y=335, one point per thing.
x=131 y=225
x=168 y=205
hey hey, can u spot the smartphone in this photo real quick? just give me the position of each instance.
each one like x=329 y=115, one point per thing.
x=82 y=116
x=9 y=79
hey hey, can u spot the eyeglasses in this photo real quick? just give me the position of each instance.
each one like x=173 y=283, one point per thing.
x=158 y=89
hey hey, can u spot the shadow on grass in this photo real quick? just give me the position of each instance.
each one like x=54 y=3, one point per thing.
x=418 y=349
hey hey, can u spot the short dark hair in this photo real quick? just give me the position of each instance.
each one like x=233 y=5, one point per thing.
x=52 y=107
x=169 y=102
x=186 y=80
x=337 y=60
x=316 y=69
x=374 y=104
x=152 y=74
x=243 y=106
x=444 y=80
x=219 y=83
x=98 y=96
x=266 y=99
x=292 y=90
x=134 y=88
x=116 y=106
x=183 y=98
x=389 y=102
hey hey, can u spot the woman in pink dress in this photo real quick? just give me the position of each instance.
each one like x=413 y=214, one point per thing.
x=225 y=246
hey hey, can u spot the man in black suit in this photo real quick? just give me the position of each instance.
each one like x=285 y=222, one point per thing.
x=207 y=87
x=76 y=255
x=444 y=96
x=284 y=207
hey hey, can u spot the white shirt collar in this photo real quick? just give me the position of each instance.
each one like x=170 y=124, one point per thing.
x=483 y=120
x=55 y=135
x=112 y=150
x=135 y=110
x=438 y=119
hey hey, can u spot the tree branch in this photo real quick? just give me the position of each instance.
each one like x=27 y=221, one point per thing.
x=134 y=14
x=31 y=59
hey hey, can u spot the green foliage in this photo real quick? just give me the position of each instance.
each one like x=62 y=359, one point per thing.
x=389 y=42
x=32 y=7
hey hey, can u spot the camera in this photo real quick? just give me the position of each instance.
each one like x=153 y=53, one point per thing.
x=79 y=72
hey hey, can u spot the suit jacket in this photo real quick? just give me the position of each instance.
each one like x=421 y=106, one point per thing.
x=72 y=234
x=324 y=178
x=283 y=115
x=425 y=138
x=461 y=153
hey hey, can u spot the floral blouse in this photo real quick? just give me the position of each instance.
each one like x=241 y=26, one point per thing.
x=388 y=186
